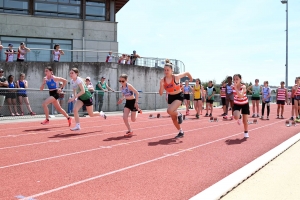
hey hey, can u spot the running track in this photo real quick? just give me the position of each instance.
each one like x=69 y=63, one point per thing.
x=51 y=162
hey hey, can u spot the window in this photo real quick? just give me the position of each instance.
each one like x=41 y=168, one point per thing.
x=41 y=48
x=16 y=6
x=59 y=8
x=95 y=10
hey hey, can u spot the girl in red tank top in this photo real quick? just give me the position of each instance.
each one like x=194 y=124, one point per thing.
x=241 y=105
x=171 y=84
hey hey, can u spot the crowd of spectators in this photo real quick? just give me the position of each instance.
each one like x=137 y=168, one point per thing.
x=125 y=59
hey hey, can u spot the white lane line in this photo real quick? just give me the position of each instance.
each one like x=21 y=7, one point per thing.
x=99 y=148
x=138 y=164
x=80 y=137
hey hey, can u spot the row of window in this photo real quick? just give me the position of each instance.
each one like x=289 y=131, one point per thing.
x=43 y=53
x=56 y=8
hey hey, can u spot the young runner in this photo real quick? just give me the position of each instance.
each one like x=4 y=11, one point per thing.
x=240 y=103
x=229 y=97
x=83 y=96
x=187 y=90
x=297 y=99
x=57 y=52
x=22 y=50
x=131 y=95
x=22 y=94
x=11 y=97
x=210 y=91
x=255 y=90
x=223 y=97
x=281 y=97
x=198 y=90
x=293 y=101
x=171 y=84
x=51 y=81
x=266 y=98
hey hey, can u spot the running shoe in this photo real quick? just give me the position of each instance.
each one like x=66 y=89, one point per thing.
x=179 y=117
x=257 y=115
x=224 y=114
x=69 y=121
x=277 y=117
x=281 y=117
x=253 y=116
x=32 y=113
x=180 y=135
x=267 y=117
x=210 y=115
x=225 y=117
x=45 y=122
x=206 y=115
x=76 y=128
x=239 y=121
x=17 y=114
x=128 y=133
x=246 y=135
x=197 y=116
x=102 y=114
x=292 y=118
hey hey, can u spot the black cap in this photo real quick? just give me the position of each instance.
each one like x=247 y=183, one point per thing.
x=103 y=77
x=10 y=45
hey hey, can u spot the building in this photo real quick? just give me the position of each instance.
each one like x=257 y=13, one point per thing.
x=74 y=24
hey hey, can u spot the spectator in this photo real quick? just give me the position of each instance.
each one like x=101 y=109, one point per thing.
x=128 y=60
x=22 y=94
x=10 y=53
x=109 y=57
x=22 y=50
x=1 y=47
x=3 y=84
x=57 y=52
x=90 y=87
x=122 y=59
x=11 y=97
x=61 y=95
x=102 y=87
x=134 y=57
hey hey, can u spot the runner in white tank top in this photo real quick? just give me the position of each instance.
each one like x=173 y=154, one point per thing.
x=22 y=51
x=57 y=52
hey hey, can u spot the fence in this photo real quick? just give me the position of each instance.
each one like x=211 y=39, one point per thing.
x=45 y=55
x=147 y=101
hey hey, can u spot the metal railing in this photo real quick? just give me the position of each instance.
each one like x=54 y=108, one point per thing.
x=147 y=101
x=45 y=55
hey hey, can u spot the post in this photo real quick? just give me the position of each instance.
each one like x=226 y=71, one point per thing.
x=287 y=45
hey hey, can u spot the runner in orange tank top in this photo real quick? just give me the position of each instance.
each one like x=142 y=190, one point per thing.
x=170 y=83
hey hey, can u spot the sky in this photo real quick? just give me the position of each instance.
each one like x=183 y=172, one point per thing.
x=215 y=38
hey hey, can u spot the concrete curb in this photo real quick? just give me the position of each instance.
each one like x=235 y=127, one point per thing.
x=228 y=183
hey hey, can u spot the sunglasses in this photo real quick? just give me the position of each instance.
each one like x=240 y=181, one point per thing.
x=121 y=81
x=1 y=71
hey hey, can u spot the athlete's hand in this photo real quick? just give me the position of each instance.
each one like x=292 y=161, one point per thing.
x=120 y=101
x=136 y=105
x=71 y=100
x=45 y=80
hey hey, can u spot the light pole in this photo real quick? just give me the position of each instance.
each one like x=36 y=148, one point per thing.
x=287 y=42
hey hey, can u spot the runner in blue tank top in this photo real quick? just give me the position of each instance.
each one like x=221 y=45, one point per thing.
x=255 y=90
x=11 y=96
x=51 y=81
x=186 y=91
x=229 y=98
x=266 y=98
x=22 y=94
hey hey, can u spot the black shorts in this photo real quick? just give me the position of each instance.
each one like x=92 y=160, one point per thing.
x=281 y=102
x=245 y=108
x=186 y=96
x=87 y=102
x=11 y=95
x=200 y=99
x=255 y=98
x=174 y=97
x=209 y=101
x=54 y=94
x=130 y=105
x=20 y=60
x=297 y=97
x=223 y=99
x=22 y=95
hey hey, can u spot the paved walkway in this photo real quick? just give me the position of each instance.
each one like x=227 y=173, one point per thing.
x=280 y=179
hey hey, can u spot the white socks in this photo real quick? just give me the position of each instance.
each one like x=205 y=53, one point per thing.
x=76 y=128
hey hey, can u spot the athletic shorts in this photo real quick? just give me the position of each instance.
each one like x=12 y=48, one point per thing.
x=2 y=99
x=87 y=102
x=293 y=101
x=230 y=97
x=297 y=97
x=130 y=105
x=20 y=60
x=280 y=102
x=200 y=99
x=22 y=95
x=11 y=95
x=174 y=97
x=209 y=101
x=255 y=98
x=245 y=108
x=223 y=99
x=54 y=94
x=186 y=96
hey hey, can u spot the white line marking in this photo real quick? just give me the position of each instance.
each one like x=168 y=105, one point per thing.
x=99 y=148
x=136 y=165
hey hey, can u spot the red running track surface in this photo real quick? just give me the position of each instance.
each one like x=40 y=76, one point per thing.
x=97 y=162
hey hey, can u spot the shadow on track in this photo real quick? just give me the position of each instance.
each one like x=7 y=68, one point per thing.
x=62 y=135
x=165 y=142
x=118 y=138
x=235 y=141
